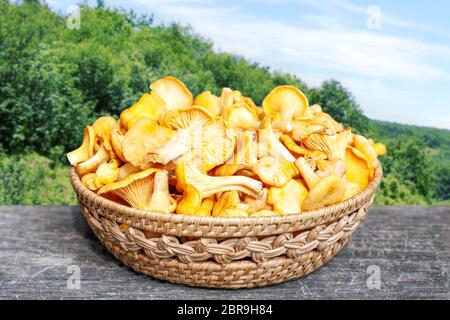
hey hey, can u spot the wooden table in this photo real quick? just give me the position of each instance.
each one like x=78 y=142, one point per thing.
x=43 y=248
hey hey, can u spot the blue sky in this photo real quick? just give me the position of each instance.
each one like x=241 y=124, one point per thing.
x=393 y=55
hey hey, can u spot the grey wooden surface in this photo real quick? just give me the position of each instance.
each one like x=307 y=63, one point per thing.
x=409 y=246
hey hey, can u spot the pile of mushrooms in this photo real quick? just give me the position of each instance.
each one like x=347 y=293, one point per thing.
x=224 y=156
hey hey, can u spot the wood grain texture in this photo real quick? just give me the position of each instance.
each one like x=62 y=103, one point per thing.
x=410 y=245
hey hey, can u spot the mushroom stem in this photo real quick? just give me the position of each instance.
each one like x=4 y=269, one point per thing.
x=307 y=173
x=206 y=185
x=86 y=150
x=177 y=146
x=269 y=144
x=91 y=164
x=191 y=201
x=161 y=199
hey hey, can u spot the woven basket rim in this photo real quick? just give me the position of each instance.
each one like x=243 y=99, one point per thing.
x=363 y=195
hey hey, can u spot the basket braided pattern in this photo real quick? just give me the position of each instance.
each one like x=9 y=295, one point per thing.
x=224 y=252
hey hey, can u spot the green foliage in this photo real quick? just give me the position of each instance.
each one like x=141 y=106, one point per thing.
x=409 y=172
x=339 y=102
x=54 y=81
x=32 y=179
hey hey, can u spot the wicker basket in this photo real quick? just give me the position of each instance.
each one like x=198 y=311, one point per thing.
x=224 y=252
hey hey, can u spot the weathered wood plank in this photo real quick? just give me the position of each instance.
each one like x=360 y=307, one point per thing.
x=409 y=245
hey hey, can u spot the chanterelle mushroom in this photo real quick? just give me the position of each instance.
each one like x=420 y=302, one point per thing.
x=137 y=142
x=188 y=174
x=207 y=143
x=246 y=149
x=357 y=169
x=86 y=150
x=289 y=198
x=379 y=148
x=161 y=200
x=275 y=172
x=333 y=146
x=91 y=164
x=268 y=143
x=322 y=192
x=117 y=138
x=126 y=170
x=284 y=103
x=173 y=92
x=258 y=203
x=229 y=205
x=88 y=181
x=209 y=101
x=241 y=116
x=327 y=167
x=366 y=148
x=295 y=148
x=107 y=172
x=149 y=106
x=136 y=189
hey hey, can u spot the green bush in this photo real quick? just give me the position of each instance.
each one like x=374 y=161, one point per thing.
x=32 y=179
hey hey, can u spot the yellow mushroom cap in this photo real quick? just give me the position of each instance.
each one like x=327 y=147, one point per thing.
x=144 y=137
x=229 y=205
x=107 y=172
x=207 y=206
x=365 y=147
x=327 y=191
x=136 y=189
x=295 y=148
x=86 y=150
x=315 y=108
x=334 y=166
x=207 y=145
x=265 y=213
x=275 y=172
x=194 y=117
x=229 y=169
x=241 y=116
x=191 y=201
x=258 y=203
x=351 y=190
x=209 y=101
x=285 y=102
x=88 y=181
x=91 y=164
x=103 y=125
x=149 y=106
x=330 y=123
x=379 y=148
x=333 y=146
x=173 y=92
x=357 y=169
x=117 y=139
x=289 y=198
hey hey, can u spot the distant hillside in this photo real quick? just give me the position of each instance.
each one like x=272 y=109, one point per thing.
x=434 y=137
x=420 y=155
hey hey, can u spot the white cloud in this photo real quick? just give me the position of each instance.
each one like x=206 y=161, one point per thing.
x=363 y=53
